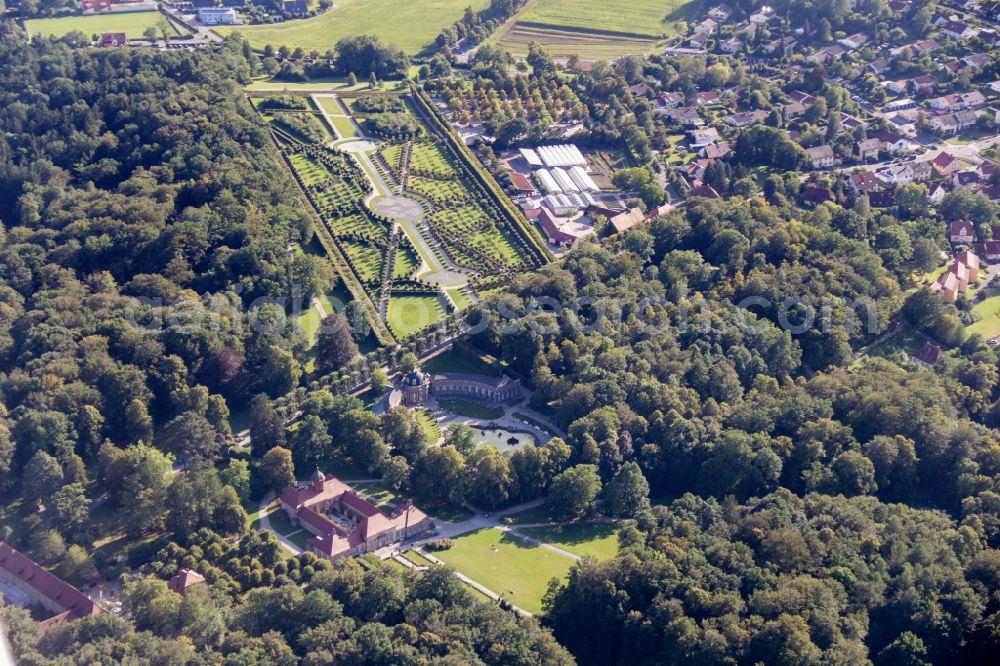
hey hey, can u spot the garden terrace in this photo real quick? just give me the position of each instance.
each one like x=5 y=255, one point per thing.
x=439 y=192
x=303 y=126
x=428 y=159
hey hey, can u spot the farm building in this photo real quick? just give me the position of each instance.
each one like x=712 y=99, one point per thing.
x=565 y=183
x=218 y=16
x=582 y=179
x=547 y=182
x=564 y=155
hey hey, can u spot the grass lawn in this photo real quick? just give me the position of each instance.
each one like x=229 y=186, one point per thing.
x=471 y=409
x=598 y=540
x=457 y=363
x=133 y=24
x=989 y=324
x=281 y=524
x=447 y=512
x=539 y=514
x=380 y=495
x=507 y=565
x=428 y=425
x=417 y=559
x=325 y=84
x=412 y=26
x=460 y=296
x=409 y=314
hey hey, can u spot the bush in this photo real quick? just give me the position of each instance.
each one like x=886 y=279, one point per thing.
x=440 y=544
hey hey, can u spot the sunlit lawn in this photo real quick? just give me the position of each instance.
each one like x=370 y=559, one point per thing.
x=989 y=324
x=598 y=540
x=507 y=565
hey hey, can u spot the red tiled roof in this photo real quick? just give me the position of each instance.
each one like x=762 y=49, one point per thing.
x=22 y=567
x=521 y=183
x=929 y=353
x=184 y=579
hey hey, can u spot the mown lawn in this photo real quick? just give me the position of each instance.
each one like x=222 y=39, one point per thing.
x=409 y=314
x=471 y=409
x=133 y=24
x=989 y=324
x=598 y=540
x=507 y=565
x=428 y=425
x=412 y=26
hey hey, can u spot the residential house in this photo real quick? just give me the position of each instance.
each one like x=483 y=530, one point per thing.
x=827 y=54
x=923 y=84
x=762 y=15
x=953 y=68
x=720 y=12
x=731 y=45
x=863 y=181
x=714 y=151
x=961 y=232
x=927 y=355
x=958 y=101
x=895 y=174
x=704 y=191
x=698 y=40
x=684 y=115
x=958 y=30
x=746 y=118
x=890 y=141
x=639 y=89
x=945 y=164
x=879 y=66
x=671 y=100
x=793 y=109
x=867 y=149
x=935 y=192
x=112 y=39
x=707 y=97
x=813 y=196
x=703 y=136
x=897 y=87
x=949 y=285
x=706 y=27
x=295 y=7
x=884 y=199
x=787 y=43
x=995 y=86
x=977 y=60
x=184 y=580
x=855 y=41
x=821 y=156
x=971 y=263
x=695 y=169
x=953 y=123
x=921 y=170
x=988 y=250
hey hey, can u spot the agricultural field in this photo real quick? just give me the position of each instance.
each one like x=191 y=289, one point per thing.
x=412 y=26
x=595 y=29
x=512 y=567
x=133 y=24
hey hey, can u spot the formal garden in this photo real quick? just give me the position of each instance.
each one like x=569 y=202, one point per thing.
x=469 y=227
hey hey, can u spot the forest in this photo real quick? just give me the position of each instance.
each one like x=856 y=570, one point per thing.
x=784 y=502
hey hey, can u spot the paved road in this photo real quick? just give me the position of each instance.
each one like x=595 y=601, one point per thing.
x=265 y=524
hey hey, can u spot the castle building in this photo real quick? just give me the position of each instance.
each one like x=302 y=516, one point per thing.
x=343 y=523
